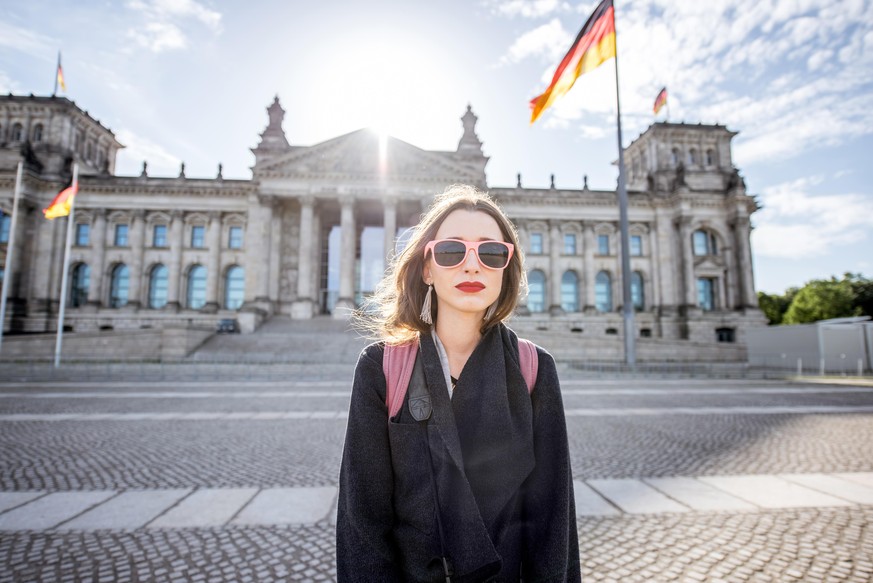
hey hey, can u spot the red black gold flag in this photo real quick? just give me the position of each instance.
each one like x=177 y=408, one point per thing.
x=59 y=77
x=660 y=100
x=60 y=206
x=594 y=45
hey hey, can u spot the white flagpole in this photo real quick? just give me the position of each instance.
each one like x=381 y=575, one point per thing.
x=70 y=228
x=627 y=308
x=10 y=247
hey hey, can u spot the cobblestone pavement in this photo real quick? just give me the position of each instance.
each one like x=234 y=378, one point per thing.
x=120 y=453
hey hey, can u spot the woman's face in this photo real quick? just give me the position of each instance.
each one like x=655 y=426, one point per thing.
x=468 y=288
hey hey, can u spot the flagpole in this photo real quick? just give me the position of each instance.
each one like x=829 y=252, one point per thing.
x=627 y=307
x=70 y=228
x=55 y=92
x=10 y=247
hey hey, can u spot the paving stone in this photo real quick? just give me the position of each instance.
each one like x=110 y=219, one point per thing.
x=635 y=496
x=204 y=508
x=127 y=511
x=698 y=495
x=834 y=486
x=772 y=492
x=590 y=503
x=10 y=500
x=50 y=510
x=288 y=506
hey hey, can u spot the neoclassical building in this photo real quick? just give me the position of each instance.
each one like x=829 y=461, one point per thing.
x=310 y=233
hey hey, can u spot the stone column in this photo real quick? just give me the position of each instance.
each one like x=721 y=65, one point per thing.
x=685 y=245
x=98 y=244
x=590 y=273
x=275 y=243
x=389 y=223
x=213 y=262
x=39 y=294
x=137 y=247
x=303 y=306
x=177 y=243
x=554 y=288
x=346 y=299
x=259 y=224
x=654 y=272
x=742 y=232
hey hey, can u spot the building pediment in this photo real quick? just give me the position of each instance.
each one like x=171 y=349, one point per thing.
x=365 y=154
x=709 y=263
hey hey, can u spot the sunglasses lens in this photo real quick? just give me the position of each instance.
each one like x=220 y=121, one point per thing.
x=494 y=254
x=449 y=253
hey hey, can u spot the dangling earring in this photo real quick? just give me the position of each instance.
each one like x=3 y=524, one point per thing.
x=489 y=313
x=425 y=308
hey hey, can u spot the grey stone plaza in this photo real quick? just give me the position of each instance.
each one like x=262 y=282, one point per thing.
x=235 y=480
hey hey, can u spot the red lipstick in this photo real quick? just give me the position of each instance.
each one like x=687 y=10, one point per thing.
x=470 y=287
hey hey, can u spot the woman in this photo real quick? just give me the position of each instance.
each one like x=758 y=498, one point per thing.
x=482 y=491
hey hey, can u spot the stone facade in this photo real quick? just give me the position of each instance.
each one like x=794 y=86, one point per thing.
x=309 y=233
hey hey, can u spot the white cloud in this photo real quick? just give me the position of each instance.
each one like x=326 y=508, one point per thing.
x=528 y=8
x=795 y=224
x=26 y=41
x=159 y=36
x=550 y=40
x=162 y=28
x=792 y=75
x=138 y=149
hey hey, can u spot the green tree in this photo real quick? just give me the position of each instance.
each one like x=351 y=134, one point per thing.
x=862 y=289
x=822 y=299
x=774 y=306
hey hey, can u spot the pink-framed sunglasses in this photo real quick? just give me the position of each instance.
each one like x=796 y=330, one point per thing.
x=453 y=252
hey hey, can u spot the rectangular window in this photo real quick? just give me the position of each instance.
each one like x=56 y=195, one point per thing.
x=603 y=244
x=636 y=245
x=5 y=222
x=706 y=293
x=235 y=238
x=121 y=235
x=198 y=236
x=569 y=244
x=83 y=232
x=160 y=236
x=536 y=243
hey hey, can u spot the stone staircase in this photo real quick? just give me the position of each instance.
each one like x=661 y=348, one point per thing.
x=283 y=340
x=324 y=340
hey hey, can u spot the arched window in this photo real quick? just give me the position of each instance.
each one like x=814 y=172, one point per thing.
x=158 y=283
x=710 y=158
x=118 y=289
x=234 y=287
x=570 y=291
x=89 y=151
x=674 y=157
x=17 y=130
x=692 y=157
x=536 y=299
x=37 y=133
x=603 y=292
x=637 y=293
x=704 y=243
x=196 y=287
x=79 y=285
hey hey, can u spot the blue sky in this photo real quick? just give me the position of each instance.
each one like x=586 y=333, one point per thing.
x=187 y=80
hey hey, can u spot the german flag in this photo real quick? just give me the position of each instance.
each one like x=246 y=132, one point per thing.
x=60 y=206
x=594 y=45
x=660 y=100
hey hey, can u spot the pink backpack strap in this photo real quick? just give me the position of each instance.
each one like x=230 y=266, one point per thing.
x=397 y=364
x=529 y=361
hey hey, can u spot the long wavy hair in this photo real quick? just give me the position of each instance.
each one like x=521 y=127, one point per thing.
x=393 y=313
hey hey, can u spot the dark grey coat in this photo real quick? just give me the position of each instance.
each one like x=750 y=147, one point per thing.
x=501 y=466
